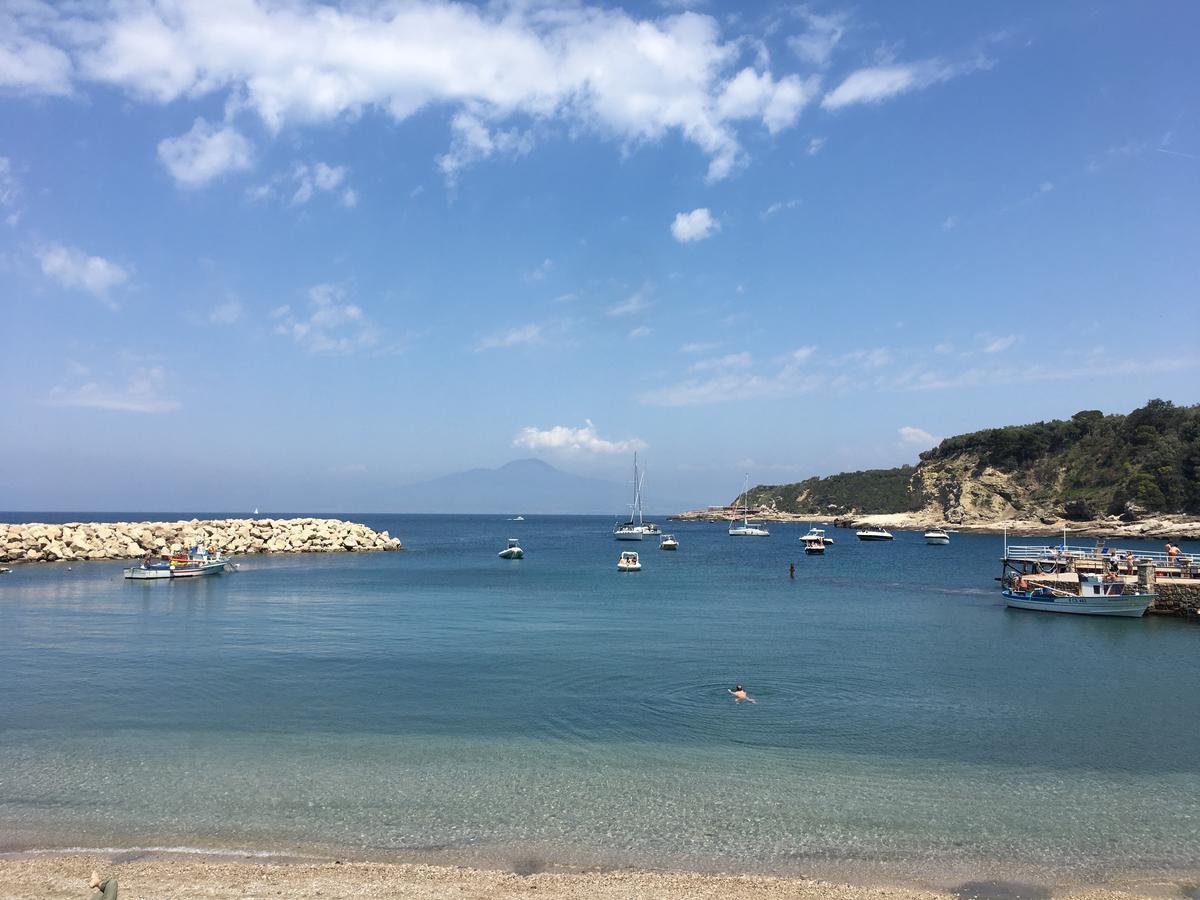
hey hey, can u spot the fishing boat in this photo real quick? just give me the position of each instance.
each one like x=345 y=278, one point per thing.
x=636 y=527
x=936 y=536
x=197 y=562
x=668 y=542
x=1097 y=595
x=873 y=534
x=513 y=550
x=747 y=528
x=629 y=562
x=815 y=541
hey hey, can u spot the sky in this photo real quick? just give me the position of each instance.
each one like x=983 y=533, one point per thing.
x=294 y=256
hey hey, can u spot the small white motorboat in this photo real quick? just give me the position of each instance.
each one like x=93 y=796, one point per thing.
x=873 y=534
x=936 y=536
x=513 y=550
x=4 y=570
x=517 y=519
x=668 y=542
x=815 y=541
x=629 y=562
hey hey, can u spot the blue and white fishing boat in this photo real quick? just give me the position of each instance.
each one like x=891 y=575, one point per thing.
x=198 y=561
x=1097 y=596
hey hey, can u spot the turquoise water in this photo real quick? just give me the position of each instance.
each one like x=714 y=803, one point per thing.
x=442 y=704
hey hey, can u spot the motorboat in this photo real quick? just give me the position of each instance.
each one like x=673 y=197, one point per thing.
x=873 y=534
x=4 y=570
x=1097 y=595
x=815 y=541
x=629 y=562
x=936 y=536
x=197 y=561
x=517 y=519
x=747 y=528
x=668 y=542
x=512 y=551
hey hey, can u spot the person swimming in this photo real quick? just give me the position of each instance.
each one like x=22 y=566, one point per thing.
x=739 y=694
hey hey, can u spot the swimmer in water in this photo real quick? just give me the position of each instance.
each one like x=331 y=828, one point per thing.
x=739 y=694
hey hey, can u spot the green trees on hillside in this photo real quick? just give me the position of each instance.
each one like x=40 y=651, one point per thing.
x=1090 y=464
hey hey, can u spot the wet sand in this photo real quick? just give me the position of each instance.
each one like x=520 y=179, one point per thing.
x=55 y=877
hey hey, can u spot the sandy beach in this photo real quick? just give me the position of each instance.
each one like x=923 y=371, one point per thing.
x=55 y=877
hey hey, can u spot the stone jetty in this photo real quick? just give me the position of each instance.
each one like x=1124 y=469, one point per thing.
x=37 y=542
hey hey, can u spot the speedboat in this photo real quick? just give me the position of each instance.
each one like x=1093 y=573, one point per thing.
x=4 y=570
x=629 y=562
x=517 y=519
x=512 y=551
x=936 y=536
x=668 y=542
x=1098 y=595
x=815 y=541
x=873 y=534
x=196 y=562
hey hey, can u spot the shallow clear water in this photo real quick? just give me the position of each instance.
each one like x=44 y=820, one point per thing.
x=444 y=704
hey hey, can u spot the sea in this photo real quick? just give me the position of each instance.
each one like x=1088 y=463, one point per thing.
x=443 y=705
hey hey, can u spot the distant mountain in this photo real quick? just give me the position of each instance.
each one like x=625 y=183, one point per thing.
x=523 y=486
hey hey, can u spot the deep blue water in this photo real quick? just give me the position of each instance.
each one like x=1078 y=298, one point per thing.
x=442 y=703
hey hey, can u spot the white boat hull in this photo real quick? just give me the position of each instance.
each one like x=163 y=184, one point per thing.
x=874 y=536
x=1131 y=605
x=748 y=531
x=937 y=540
x=154 y=572
x=512 y=553
x=628 y=534
x=668 y=545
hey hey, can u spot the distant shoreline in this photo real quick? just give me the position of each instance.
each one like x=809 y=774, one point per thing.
x=1149 y=528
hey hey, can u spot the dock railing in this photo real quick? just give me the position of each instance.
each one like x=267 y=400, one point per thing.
x=1064 y=552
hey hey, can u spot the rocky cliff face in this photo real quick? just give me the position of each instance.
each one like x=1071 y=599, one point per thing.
x=964 y=491
x=128 y=540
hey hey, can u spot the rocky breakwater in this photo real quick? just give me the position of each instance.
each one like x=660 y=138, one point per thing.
x=37 y=542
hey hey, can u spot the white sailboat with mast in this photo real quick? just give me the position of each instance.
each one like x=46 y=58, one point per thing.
x=747 y=528
x=636 y=527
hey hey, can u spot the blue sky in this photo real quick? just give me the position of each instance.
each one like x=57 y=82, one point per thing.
x=293 y=256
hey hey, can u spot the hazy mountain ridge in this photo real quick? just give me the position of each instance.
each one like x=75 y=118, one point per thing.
x=523 y=486
x=1083 y=468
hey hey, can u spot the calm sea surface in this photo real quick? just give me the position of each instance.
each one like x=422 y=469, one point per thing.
x=445 y=705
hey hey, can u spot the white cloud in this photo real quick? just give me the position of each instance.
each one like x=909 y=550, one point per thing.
x=817 y=43
x=10 y=191
x=1000 y=344
x=694 y=226
x=525 y=334
x=1045 y=187
x=866 y=359
x=634 y=303
x=778 y=206
x=733 y=386
x=541 y=270
x=75 y=269
x=564 y=438
x=303 y=181
x=699 y=347
x=226 y=313
x=728 y=361
x=877 y=83
x=144 y=392
x=333 y=325
x=504 y=71
x=802 y=354
x=912 y=435
x=815 y=145
x=950 y=223
x=640 y=332
x=29 y=61
x=204 y=153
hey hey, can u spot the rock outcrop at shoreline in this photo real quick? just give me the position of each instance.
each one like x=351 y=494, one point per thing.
x=38 y=542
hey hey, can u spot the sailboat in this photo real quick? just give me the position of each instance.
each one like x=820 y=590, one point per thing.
x=747 y=528
x=636 y=527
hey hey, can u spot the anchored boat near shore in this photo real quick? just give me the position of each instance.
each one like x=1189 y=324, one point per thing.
x=198 y=561
x=1098 y=596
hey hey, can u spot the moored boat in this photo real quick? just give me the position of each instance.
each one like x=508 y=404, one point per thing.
x=936 y=536
x=668 y=542
x=513 y=550
x=747 y=528
x=198 y=561
x=815 y=541
x=1097 y=596
x=873 y=534
x=629 y=562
